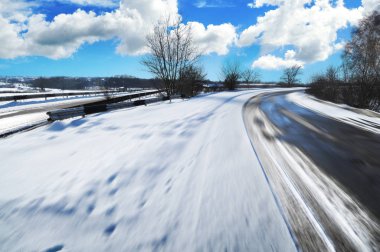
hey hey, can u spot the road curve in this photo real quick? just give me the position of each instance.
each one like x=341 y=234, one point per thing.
x=325 y=173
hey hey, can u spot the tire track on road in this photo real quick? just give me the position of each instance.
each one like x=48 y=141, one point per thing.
x=320 y=211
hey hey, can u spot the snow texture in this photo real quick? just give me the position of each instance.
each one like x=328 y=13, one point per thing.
x=365 y=119
x=178 y=176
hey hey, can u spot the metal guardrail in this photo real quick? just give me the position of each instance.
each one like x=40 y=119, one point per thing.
x=81 y=111
x=47 y=95
x=62 y=114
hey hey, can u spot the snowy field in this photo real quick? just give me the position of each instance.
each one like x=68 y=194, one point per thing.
x=166 y=177
x=365 y=119
x=15 y=87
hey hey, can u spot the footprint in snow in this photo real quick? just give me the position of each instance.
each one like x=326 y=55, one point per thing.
x=110 y=229
x=113 y=192
x=111 y=178
x=55 y=248
x=90 y=208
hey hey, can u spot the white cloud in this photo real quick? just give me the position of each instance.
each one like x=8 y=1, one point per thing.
x=15 y=10
x=308 y=26
x=339 y=46
x=129 y=24
x=213 y=4
x=370 y=5
x=261 y=3
x=102 y=3
x=11 y=44
x=271 y=62
x=200 y=4
x=213 y=38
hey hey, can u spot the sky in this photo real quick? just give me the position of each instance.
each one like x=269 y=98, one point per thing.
x=98 y=38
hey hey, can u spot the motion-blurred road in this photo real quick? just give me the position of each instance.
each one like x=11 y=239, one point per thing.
x=326 y=173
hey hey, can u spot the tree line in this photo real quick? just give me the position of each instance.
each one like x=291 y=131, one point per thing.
x=68 y=83
x=356 y=81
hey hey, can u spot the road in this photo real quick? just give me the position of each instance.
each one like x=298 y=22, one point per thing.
x=29 y=113
x=325 y=173
x=12 y=118
x=45 y=107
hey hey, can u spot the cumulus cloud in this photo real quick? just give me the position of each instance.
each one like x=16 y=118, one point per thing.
x=16 y=10
x=213 y=38
x=11 y=44
x=128 y=24
x=311 y=27
x=272 y=62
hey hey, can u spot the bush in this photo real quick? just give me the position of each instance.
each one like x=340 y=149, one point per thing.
x=191 y=81
x=231 y=73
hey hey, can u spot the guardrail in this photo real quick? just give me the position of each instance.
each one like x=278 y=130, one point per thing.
x=47 y=95
x=84 y=110
x=63 y=114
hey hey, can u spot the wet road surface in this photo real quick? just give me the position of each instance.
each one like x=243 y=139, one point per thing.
x=330 y=168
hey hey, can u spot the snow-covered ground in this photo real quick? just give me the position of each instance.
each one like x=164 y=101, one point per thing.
x=173 y=177
x=14 y=87
x=40 y=102
x=364 y=119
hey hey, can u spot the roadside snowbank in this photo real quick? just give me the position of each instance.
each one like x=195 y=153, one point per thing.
x=365 y=119
x=172 y=177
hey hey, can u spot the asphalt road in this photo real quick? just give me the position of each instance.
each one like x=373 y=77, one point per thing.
x=326 y=173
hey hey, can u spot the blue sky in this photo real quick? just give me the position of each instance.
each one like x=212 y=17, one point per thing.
x=311 y=34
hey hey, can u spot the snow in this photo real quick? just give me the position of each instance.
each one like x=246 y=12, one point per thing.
x=178 y=176
x=56 y=91
x=15 y=87
x=30 y=103
x=20 y=110
x=33 y=111
x=38 y=102
x=365 y=119
x=21 y=121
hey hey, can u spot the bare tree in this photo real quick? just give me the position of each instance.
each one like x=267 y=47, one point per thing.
x=360 y=69
x=362 y=60
x=231 y=73
x=171 y=51
x=191 y=81
x=250 y=76
x=290 y=75
x=326 y=85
